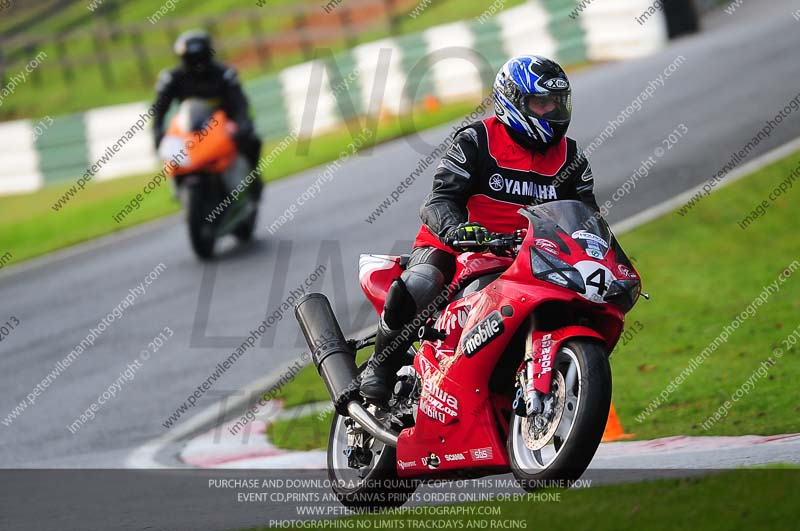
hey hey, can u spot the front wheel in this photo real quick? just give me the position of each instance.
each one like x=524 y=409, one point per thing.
x=244 y=231
x=561 y=445
x=201 y=231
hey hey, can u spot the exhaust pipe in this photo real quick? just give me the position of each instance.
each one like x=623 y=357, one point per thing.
x=336 y=363
x=371 y=425
x=333 y=357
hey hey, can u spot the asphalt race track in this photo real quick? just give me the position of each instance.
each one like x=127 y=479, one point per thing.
x=736 y=75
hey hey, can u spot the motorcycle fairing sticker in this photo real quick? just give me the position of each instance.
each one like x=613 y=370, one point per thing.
x=482 y=333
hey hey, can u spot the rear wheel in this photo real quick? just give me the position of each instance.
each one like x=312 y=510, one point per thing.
x=201 y=233
x=362 y=470
x=561 y=445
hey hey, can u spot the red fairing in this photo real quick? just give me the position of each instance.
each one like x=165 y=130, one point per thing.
x=456 y=426
x=472 y=265
x=608 y=319
x=376 y=273
x=545 y=346
x=460 y=424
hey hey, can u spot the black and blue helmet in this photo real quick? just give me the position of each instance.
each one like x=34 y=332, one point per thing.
x=533 y=97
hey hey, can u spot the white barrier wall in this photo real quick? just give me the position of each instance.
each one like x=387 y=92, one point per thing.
x=371 y=62
x=19 y=172
x=308 y=96
x=118 y=126
x=525 y=30
x=445 y=71
x=612 y=32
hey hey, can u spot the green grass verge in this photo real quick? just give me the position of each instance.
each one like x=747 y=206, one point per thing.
x=307 y=387
x=301 y=432
x=741 y=499
x=31 y=228
x=702 y=271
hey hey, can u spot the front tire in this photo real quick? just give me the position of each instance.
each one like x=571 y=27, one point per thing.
x=244 y=231
x=586 y=377
x=201 y=232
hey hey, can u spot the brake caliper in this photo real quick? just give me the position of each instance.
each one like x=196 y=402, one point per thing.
x=527 y=401
x=357 y=455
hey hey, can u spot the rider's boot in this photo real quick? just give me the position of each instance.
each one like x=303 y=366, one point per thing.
x=377 y=380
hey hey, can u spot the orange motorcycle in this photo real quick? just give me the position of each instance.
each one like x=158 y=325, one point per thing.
x=212 y=178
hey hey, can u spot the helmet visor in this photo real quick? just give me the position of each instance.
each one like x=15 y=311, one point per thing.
x=553 y=107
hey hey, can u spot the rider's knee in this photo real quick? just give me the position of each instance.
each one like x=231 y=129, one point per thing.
x=410 y=294
x=424 y=281
x=399 y=307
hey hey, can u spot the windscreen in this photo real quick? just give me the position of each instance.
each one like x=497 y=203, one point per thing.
x=193 y=114
x=579 y=221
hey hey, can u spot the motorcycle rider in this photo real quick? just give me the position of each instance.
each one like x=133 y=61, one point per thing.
x=200 y=76
x=518 y=157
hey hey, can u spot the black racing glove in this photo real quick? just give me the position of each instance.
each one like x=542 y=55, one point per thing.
x=468 y=232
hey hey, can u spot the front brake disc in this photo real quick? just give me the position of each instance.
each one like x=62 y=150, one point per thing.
x=536 y=438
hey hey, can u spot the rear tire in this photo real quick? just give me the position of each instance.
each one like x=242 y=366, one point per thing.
x=378 y=488
x=591 y=401
x=201 y=232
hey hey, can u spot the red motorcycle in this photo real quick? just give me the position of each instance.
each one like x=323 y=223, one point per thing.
x=511 y=373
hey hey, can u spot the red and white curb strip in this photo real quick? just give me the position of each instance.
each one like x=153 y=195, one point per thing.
x=250 y=447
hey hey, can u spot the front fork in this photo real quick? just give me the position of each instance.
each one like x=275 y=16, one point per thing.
x=527 y=401
x=536 y=370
